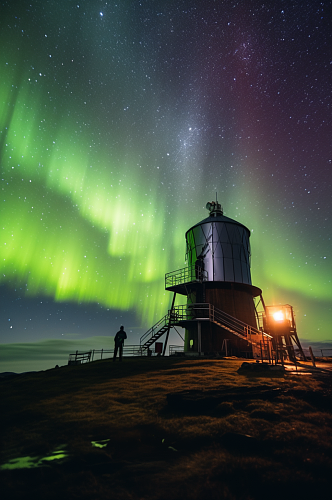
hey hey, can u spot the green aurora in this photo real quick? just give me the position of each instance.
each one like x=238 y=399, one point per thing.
x=91 y=217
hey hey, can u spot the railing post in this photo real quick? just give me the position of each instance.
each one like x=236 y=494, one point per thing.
x=101 y=354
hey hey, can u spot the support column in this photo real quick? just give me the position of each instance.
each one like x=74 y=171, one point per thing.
x=199 y=337
x=169 y=323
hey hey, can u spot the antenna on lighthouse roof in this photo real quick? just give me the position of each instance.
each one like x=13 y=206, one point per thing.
x=214 y=207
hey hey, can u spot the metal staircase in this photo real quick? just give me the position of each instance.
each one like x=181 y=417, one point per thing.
x=235 y=326
x=179 y=315
x=156 y=331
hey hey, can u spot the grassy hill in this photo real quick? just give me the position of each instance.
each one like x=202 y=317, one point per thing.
x=165 y=428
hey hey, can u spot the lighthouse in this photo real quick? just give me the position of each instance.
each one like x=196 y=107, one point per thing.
x=217 y=280
x=220 y=314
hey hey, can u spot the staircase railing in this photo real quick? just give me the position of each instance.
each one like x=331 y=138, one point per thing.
x=237 y=326
x=203 y=312
x=155 y=328
x=212 y=313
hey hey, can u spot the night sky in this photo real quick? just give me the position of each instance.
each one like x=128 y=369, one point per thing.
x=119 y=120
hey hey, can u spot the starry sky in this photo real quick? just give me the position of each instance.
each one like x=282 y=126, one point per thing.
x=119 y=120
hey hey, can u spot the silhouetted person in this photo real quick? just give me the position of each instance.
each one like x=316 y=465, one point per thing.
x=118 y=343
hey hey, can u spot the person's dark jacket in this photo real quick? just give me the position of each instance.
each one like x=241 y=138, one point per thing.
x=120 y=337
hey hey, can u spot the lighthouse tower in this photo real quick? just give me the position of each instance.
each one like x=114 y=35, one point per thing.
x=217 y=278
x=219 y=248
x=220 y=315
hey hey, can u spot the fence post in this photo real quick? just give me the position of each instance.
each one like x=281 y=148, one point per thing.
x=101 y=355
x=312 y=357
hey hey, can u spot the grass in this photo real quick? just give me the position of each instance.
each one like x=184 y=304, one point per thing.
x=109 y=430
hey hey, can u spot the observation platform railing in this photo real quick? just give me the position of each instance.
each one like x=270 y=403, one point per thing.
x=185 y=275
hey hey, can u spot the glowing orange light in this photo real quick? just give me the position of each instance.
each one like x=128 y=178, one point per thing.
x=279 y=316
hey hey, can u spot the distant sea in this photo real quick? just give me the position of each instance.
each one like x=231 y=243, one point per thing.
x=319 y=348
x=46 y=354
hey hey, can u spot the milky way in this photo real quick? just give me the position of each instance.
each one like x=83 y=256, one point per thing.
x=120 y=120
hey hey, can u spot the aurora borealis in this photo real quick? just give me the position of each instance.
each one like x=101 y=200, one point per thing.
x=120 y=120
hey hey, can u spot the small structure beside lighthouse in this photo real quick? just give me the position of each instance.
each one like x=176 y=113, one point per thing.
x=220 y=314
